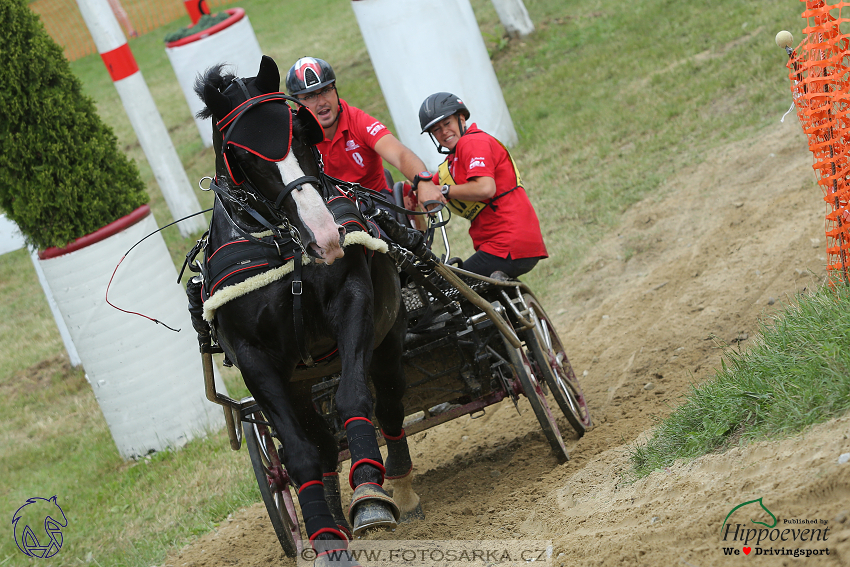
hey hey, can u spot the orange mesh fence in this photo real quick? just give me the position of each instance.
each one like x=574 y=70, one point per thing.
x=820 y=83
x=64 y=23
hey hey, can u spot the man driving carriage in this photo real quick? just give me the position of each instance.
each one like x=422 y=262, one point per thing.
x=480 y=181
x=355 y=142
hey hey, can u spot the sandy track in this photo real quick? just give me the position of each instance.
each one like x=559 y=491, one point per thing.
x=727 y=241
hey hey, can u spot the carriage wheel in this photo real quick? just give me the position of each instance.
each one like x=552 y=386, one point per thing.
x=532 y=384
x=274 y=485
x=546 y=349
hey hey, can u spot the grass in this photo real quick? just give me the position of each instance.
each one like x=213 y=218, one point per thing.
x=119 y=513
x=608 y=101
x=796 y=374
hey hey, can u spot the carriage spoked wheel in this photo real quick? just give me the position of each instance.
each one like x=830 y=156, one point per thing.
x=274 y=484
x=532 y=387
x=546 y=349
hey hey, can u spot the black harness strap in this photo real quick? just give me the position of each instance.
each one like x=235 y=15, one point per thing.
x=241 y=84
x=297 y=313
x=497 y=197
x=223 y=194
x=292 y=185
x=361 y=191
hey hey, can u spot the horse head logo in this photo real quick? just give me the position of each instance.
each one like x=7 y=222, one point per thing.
x=756 y=501
x=48 y=519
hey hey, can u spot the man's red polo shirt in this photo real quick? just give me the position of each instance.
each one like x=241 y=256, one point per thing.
x=351 y=155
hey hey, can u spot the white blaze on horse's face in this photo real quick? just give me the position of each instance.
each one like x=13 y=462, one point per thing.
x=314 y=214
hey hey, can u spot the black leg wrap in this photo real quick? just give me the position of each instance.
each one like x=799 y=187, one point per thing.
x=317 y=517
x=196 y=311
x=366 y=462
x=334 y=500
x=399 y=463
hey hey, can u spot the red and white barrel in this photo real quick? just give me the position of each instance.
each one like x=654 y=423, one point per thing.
x=408 y=71
x=143 y=114
x=148 y=381
x=231 y=41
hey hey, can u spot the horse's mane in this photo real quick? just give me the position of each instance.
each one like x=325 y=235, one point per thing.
x=215 y=77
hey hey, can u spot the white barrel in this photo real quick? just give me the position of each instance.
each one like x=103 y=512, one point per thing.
x=148 y=381
x=235 y=45
x=455 y=59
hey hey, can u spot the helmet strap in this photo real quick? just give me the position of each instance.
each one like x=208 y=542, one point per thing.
x=440 y=148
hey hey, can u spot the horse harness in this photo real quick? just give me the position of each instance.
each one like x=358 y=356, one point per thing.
x=253 y=254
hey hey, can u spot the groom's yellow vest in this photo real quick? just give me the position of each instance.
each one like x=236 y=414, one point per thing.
x=470 y=209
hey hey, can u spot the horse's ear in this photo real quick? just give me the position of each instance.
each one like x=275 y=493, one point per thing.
x=268 y=78
x=307 y=126
x=219 y=104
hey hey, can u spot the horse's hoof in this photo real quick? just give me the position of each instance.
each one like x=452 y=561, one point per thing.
x=373 y=515
x=412 y=515
x=371 y=507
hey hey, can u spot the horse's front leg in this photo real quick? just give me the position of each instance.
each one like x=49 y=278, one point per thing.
x=286 y=409
x=387 y=374
x=371 y=506
x=320 y=434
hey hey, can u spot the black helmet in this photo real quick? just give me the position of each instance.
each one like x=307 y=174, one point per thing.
x=307 y=75
x=437 y=107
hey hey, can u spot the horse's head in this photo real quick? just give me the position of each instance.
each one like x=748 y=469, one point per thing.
x=262 y=143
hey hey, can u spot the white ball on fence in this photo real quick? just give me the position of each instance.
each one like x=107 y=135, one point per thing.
x=784 y=39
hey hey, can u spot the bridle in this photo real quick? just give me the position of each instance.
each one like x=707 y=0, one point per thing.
x=279 y=222
x=246 y=190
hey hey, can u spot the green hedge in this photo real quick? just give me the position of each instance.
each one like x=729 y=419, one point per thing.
x=61 y=173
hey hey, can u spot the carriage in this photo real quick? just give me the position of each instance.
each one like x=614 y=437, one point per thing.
x=446 y=342
x=471 y=342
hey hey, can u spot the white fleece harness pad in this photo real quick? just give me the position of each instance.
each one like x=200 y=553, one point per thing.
x=228 y=293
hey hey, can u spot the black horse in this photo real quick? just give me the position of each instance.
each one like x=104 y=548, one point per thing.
x=267 y=176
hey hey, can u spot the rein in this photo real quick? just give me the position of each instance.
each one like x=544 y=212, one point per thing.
x=106 y=296
x=369 y=196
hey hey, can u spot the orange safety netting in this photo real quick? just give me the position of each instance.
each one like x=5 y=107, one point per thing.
x=64 y=23
x=820 y=83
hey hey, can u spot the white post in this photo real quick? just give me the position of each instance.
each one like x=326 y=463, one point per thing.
x=408 y=73
x=514 y=17
x=11 y=238
x=57 y=315
x=143 y=114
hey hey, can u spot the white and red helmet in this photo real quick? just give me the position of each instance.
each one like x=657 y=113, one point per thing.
x=309 y=74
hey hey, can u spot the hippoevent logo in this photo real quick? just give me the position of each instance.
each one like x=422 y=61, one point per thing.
x=774 y=537
x=37 y=526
